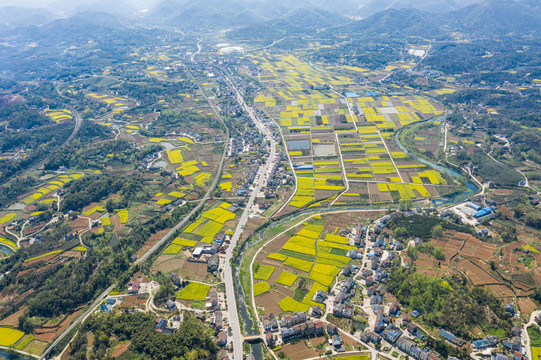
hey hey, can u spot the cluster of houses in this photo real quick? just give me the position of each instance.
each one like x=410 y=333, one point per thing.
x=342 y=305
x=385 y=330
x=411 y=327
x=211 y=300
x=383 y=326
x=107 y=307
x=297 y=326
x=335 y=340
x=378 y=228
x=513 y=345
x=270 y=325
x=515 y=356
x=205 y=250
x=249 y=178
x=236 y=145
x=216 y=320
x=212 y=250
x=409 y=347
x=278 y=176
x=147 y=161
x=193 y=135
x=248 y=143
x=360 y=234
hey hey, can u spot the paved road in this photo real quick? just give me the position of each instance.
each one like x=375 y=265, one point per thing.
x=192 y=58
x=81 y=318
x=525 y=335
x=228 y=271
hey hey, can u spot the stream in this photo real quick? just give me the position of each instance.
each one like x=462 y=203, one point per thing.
x=455 y=198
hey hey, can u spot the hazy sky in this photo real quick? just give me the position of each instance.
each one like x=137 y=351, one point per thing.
x=140 y=4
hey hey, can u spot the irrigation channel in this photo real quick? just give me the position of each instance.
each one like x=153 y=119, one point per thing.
x=248 y=322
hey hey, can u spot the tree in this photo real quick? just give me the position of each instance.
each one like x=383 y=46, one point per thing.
x=400 y=233
x=437 y=231
x=438 y=253
x=537 y=293
x=412 y=253
x=25 y=324
x=519 y=211
x=406 y=204
x=532 y=219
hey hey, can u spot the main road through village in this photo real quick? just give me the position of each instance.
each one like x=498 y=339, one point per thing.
x=228 y=271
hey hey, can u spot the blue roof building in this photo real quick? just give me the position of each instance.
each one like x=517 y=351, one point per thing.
x=483 y=212
x=415 y=314
x=473 y=206
x=451 y=338
x=446 y=335
x=479 y=344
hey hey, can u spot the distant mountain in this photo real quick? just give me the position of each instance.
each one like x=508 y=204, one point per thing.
x=212 y=14
x=89 y=40
x=497 y=17
x=11 y=16
x=435 y=6
x=401 y=23
x=297 y=22
x=79 y=28
x=119 y=8
x=315 y=18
